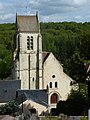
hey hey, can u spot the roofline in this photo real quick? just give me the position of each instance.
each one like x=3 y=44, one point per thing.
x=17 y=29
x=27 y=31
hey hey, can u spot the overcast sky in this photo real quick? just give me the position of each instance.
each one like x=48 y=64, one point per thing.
x=49 y=10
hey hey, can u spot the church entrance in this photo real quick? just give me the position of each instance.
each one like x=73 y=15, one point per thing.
x=54 y=98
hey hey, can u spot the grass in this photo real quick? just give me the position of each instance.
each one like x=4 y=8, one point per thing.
x=84 y=118
x=56 y=118
x=49 y=118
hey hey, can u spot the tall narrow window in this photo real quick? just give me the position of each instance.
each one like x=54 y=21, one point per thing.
x=18 y=42
x=55 y=84
x=31 y=43
x=28 y=43
x=33 y=79
x=50 y=84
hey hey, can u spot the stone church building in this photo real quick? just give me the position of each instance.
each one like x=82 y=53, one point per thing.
x=36 y=69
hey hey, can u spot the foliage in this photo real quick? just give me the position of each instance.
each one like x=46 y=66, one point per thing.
x=5 y=65
x=76 y=104
x=9 y=108
x=76 y=68
x=6 y=45
x=68 y=41
x=85 y=46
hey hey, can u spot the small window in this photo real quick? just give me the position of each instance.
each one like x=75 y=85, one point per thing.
x=28 y=43
x=27 y=37
x=31 y=37
x=53 y=76
x=5 y=91
x=33 y=79
x=31 y=43
x=50 y=84
x=18 y=42
x=55 y=84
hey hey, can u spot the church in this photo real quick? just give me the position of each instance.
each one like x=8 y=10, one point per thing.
x=38 y=70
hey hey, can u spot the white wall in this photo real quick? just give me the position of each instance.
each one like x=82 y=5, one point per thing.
x=53 y=67
x=22 y=65
x=31 y=104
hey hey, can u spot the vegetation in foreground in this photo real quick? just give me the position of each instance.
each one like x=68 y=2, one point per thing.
x=9 y=108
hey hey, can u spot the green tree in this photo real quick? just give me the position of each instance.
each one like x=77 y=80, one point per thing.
x=85 y=46
x=5 y=66
x=76 y=104
x=9 y=108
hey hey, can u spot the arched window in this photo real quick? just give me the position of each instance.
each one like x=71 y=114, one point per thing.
x=54 y=98
x=56 y=85
x=50 y=84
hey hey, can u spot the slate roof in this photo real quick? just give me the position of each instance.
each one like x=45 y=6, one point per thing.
x=38 y=96
x=27 y=23
x=8 y=89
x=45 y=56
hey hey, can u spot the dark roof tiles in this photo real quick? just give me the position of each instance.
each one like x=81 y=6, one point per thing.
x=38 y=96
x=45 y=56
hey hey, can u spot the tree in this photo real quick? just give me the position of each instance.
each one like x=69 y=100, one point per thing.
x=5 y=66
x=76 y=104
x=10 y=108
x=76 y=68
x=85 y=46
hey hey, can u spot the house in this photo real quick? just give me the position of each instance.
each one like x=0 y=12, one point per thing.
x=37 y=70
x=33 y=99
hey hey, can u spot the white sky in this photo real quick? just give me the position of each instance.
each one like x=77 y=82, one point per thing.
x=49 y=10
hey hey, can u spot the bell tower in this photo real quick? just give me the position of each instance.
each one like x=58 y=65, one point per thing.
x=27 y=55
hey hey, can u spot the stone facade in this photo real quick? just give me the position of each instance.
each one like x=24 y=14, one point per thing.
x=58 y=82
x=37 y=69
x=27 y=57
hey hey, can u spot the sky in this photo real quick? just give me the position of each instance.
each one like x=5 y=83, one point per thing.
x=49 y=10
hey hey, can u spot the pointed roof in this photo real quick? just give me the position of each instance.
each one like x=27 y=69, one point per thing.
x=45 y=56
x=27 y=23
x=38 y=96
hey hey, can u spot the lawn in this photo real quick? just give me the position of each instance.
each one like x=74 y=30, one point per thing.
x=57 y=118
x=49 y=118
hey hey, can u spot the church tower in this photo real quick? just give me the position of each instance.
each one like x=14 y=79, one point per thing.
x=27 y=55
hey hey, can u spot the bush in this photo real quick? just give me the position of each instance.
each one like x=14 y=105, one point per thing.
x=76 y=104
x=10 y=108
